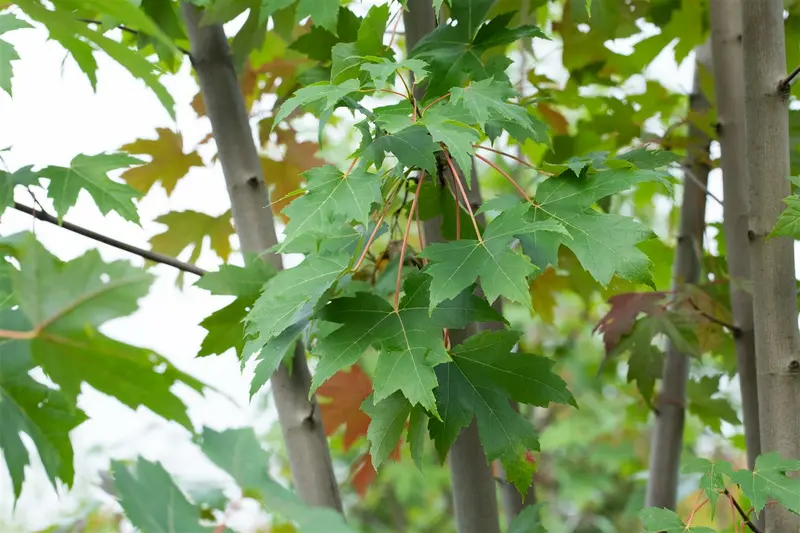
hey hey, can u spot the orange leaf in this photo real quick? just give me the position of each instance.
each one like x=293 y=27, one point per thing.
x=169 y=163
x=347 y=391
x=557 y=121
x=363 y=473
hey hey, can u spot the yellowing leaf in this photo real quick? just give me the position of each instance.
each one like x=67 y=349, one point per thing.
x=284 y=177
x=543 y=291
x=169 y=163
x=189 y=229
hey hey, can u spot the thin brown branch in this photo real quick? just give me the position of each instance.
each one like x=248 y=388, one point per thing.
x=733 y=329
x=506 y=154
x=789 y=80
x=741 y=512
x=405 y=241
x=689 y=174
x=377 y=227
x=146 y=254
x=457 y=180
x=511 y=180
x=126 y=29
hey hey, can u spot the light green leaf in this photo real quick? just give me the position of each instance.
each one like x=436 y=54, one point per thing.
x=268 y=7
x=24 y=176
x=713 y=481
x=232 y=280
x=372 y=29
x=383 y=69
x=238 y=452
x=412 y=146
x=323 y=12
x=331 y=195
x=788 y=224
x=387 y=422
x=769 y=480
x=658 y=520
x=416 y=434
x=90 y=173
x=152 y=501
x=458 y=137
x=273 y=352
x=313 y=93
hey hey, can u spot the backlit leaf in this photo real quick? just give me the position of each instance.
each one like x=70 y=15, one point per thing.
x=168 y=162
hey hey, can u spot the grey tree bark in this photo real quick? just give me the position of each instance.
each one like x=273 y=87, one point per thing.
x=474 y=491
x=667 y=437
x=727 y=54
x=772 y=260
x=299 y=417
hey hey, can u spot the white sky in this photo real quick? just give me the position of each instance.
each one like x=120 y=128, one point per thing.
x=54 y=116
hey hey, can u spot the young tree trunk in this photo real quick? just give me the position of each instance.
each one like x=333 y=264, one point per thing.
x=726 y=45
x=667 y=437
x=772 y=261
x=474 y=491
x=300 y=420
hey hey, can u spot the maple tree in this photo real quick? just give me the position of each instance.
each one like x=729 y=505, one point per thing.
x=404 y=337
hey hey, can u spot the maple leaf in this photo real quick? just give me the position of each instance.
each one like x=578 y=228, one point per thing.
x=189 y=229
x=26 y=406
x=485 y=100
x=285 y=176
x=24 y=176
x=604 y=244
x=291 y=295
x=454 y=52
x=90 y=173
x=410 y=339
x=770 y=479
x=322 y=12
x=503 y=272
x=152 y=501
x=168 y=162
x=544 y=289
x=315 y=92
x=85 y=293
x=412 y=146
x=331 y=194
x=8 y=53
x=625 y=309
x=457 y=136
x=382 y=69
x=387 y=421
x=712 y=482
x=238 y=452
x=711 y=411
x=660 y=520
x=346 y=392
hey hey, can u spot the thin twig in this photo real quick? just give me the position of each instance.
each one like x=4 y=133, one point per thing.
x=509 y=178
x=744 y=516
x=457 y=179
x=789 y=80
x=405 y=241
x=511 y=156
x=733 y=329
x=126 y=29
x=377 y=227
x=689 y=174
x=147 y=254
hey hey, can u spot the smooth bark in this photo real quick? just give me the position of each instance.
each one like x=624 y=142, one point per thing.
x=474 y=491
x=299 y=417
x=667 y=437
x=727 y=54
x=772 y=259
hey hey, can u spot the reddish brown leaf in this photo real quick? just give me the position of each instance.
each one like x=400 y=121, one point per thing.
x=624 y=309
x=346 y=392
x=556 y=120
x=363 y=473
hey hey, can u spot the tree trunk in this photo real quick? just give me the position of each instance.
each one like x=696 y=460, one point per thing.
x=474 y=492
x=726 y=44
x=299 y=417
x=667 y=437
x=772 y=261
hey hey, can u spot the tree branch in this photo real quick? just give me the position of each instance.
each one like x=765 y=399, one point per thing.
x=147 y=254
x=789 y=80
x=744 y=516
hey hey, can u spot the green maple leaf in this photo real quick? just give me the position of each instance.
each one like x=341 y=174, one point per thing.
x=666 y=521
x=372 y=29
x=322 y=12
x=503 y=272
x=316 y=92
x=152 y=501
x=292 y=294
x=393 y=118
x=788 y=224
x=455 y=52
x=318 y=43
x=387 y=422
x=466 y=390
x=8 y=22
x=225 y=328
x=485 y=100
x=232 y=280
x=24 y=176
x=26 y=406
x=457 y=136
x=711 y=411
x=410 y=339
x=332 y=194
x=81 y=295
x=412 y=146
x=270 y=355
x=769 y=480
x=416 y=434
x=383 y=69
x=238 y=452
x=90 y=173
x=713 y=480
x=528 y=520
x=268 y=7
x=604 y=244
